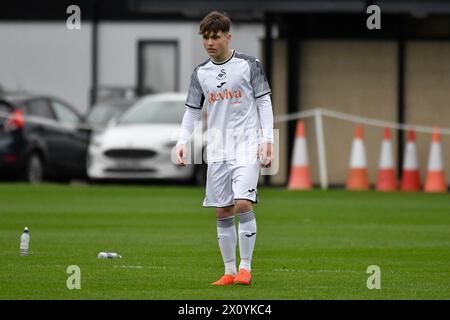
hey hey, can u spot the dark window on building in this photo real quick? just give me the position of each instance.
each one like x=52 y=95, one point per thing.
x=158 y=66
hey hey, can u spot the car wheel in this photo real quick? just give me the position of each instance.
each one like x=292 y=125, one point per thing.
x=35 y=169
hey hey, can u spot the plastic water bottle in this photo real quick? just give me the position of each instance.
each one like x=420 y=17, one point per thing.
x=108 y=255
x=24 y=242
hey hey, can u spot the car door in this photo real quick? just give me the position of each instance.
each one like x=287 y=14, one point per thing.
x=47 y=133
x=76 y=137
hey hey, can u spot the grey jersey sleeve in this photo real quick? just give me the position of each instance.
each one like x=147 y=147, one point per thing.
x=258 y=79
x=195 y=96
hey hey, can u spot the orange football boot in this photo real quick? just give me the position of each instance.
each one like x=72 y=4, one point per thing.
x=226 y=280
x=243 y=277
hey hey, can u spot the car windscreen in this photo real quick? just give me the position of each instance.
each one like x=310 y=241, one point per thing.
x=102 y=113
x=155 y=112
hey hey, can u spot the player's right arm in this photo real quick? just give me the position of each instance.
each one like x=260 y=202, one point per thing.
x=194 y=104
x=187 y=126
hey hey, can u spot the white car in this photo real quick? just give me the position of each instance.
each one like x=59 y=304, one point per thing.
x=140 y=145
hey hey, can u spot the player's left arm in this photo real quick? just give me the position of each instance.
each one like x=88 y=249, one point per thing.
x=261 y=91
x=266 y=119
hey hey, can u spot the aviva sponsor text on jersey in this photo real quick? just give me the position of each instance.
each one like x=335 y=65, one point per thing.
x=224 y=95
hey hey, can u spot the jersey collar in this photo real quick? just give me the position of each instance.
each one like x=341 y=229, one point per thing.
x=219 y=63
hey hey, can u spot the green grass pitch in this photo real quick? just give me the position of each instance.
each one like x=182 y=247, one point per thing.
x=310 y=245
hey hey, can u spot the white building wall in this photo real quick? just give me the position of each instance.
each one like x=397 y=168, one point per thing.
x=119 y=44
x=245 y=38
x=48 y=58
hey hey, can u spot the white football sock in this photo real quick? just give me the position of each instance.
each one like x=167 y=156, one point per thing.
x=247 y=238
x=226 y=231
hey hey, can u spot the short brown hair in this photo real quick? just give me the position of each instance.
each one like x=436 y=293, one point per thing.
x=214 y=22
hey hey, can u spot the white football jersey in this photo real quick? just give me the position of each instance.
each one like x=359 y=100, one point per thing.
x=229 y=91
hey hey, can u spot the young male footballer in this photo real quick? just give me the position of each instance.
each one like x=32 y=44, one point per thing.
x=234 y=89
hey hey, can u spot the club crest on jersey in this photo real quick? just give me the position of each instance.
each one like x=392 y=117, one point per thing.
x=224 y=95
x=222 y=75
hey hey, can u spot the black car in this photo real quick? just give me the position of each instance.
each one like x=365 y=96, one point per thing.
x=41 y=137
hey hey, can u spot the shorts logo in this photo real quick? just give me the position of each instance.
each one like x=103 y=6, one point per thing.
x=222 y=75
x=251 y=190
x=224 y=95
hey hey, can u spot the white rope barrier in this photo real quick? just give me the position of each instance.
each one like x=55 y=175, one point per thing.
x=358 y=119
x=319 y=113
x=289 y=117
x=295 y=116
x=47 y=122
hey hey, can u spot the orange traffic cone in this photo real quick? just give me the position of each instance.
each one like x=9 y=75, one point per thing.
x=410 y=175
x=358 y=177
x=386 y=174
x=300 y=177
x=435 y=180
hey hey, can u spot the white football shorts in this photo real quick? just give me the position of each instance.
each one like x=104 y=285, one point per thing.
x=228 y=181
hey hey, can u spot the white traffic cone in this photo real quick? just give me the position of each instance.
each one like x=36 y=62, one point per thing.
x=410 y=174
x=300 y=177
x=386 y=174
x=435 y=181
x=358 y=178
